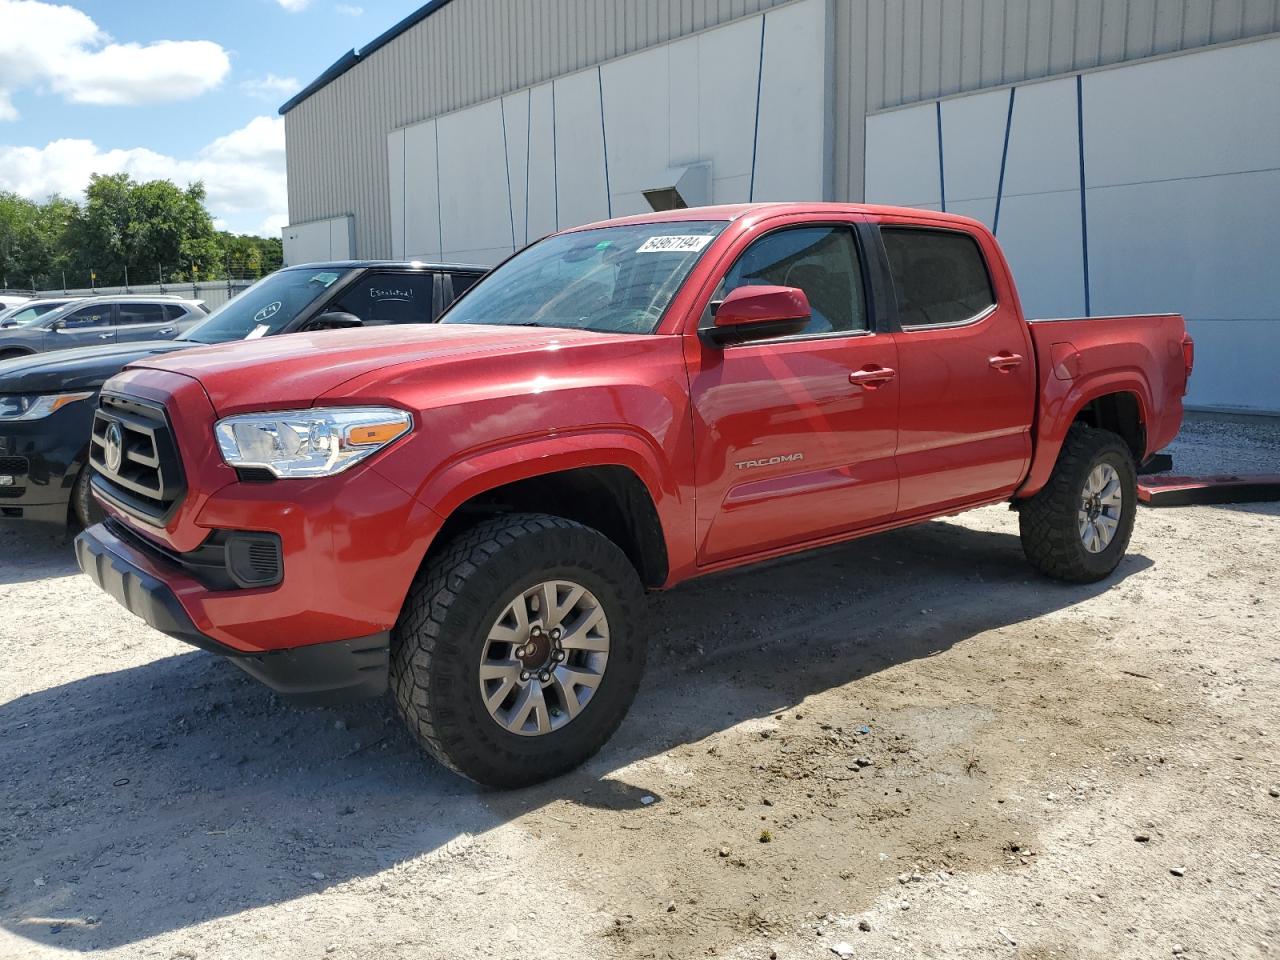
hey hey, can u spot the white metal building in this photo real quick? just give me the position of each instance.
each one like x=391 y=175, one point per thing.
x=1127 y=152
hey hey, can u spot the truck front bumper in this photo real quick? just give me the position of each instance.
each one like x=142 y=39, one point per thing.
x=319 y=673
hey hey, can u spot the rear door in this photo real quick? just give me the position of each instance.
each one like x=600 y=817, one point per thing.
x=795 y=439
x=141 y=320
x=965 y=366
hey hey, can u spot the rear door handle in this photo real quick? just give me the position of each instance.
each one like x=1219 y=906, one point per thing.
x=105 y=336
x=165 y=332
x=872 y=377
x=1005 y=361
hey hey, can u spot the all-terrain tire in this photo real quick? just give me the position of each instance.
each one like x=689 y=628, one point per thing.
x=85 y=510
x=438 y=642
x=1049 y=521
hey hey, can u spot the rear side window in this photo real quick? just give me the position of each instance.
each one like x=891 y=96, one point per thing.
x=174 y=311
x=133 y=312
x=939 y=276
x=462 y=281
x=821 y=261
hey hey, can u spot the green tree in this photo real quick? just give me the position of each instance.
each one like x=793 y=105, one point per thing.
x=32 y=238
x=148 y=228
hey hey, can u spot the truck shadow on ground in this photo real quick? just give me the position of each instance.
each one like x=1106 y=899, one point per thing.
x=156 y=798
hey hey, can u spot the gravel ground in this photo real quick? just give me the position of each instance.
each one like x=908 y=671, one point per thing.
x=907 y=746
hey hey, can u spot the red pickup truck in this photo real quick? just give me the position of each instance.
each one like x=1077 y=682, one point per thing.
x=471 y=512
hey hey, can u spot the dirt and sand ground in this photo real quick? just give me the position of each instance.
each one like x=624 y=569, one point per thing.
x=909 y=746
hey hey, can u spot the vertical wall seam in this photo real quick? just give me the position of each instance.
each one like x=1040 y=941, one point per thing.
x=942 y=166
x=404 y=193
x=435 y=128
x=506 y=166
x=755 y=139
x=1084 y=204
x=555 y=155
x=528 y=156
x=1004 y=161
x=604 y=145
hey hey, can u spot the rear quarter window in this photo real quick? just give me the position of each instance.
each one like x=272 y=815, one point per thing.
x=939 y=276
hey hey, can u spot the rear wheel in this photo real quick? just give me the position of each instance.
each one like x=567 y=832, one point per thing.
x=1077 y=528
x=518 y=652
x=84 y=508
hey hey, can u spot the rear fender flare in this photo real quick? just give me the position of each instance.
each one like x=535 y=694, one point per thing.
x=1059 y=407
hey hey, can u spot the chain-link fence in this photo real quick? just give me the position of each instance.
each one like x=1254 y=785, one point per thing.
x=213 y=292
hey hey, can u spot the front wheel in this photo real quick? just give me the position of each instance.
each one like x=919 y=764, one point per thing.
x=518 y=651
x=84 y=508
x=1077 y=528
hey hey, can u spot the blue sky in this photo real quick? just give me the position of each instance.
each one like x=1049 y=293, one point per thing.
x=175 y=88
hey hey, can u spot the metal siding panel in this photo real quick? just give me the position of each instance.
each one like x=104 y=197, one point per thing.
x=949 y=58
x=970 y=44
x=991 y=54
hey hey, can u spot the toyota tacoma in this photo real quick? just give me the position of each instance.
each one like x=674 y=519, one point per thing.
x=470 y=513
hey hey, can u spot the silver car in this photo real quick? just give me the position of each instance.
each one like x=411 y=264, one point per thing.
x=21 y=314
x=97 y=320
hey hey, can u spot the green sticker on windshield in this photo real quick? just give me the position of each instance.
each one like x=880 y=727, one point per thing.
x=604 y=243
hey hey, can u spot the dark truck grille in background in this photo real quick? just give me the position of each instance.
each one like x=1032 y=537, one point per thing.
x=148 y=481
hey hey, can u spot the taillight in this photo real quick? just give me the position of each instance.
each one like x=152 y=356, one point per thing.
x=1188 y=359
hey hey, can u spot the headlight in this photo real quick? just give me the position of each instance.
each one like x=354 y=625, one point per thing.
x=32 y=407
x=309 y=443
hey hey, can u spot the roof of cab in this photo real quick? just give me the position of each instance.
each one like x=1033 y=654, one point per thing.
x=735 y=211
x=384 y=264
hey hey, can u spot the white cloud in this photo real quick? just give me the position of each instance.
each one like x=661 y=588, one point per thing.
x=58 y=48
x=348 y=10
x=271 y=87
x=293 y=6
x=243 y=172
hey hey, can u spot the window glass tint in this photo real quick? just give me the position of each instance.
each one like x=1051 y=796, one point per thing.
x=611 y=279
x=821 y=261
x=384 y=298
x=462 y=282
x=98 y=315
x=131 y=313
x=939 y=276
x=173 y=311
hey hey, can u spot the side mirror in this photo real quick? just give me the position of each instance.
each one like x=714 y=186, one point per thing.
x=754 y=312
x=335 y=320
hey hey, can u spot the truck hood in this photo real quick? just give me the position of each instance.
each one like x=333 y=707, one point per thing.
x=81 y=368
x=294 y=371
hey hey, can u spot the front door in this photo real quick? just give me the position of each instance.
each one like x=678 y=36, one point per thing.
x=795 y=435
x=83 y=327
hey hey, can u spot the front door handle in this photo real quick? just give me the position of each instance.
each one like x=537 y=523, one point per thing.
x=105 y=336
x=872 y=377
x=165 y=332
x=1005 y=361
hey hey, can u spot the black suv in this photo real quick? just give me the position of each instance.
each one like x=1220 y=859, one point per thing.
x=47 y=401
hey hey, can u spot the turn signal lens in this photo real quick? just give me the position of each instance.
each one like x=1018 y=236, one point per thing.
x=375 y=434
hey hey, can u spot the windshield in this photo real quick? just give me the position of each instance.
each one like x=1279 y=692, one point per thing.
x=265 y=308
x=20 y=316
x=613 y=280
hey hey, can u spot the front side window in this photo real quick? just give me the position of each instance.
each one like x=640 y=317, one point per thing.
x=611 y=280
x=265 y=308
x=98 y=315
x=939 y=276
x=821 y=261
x=386 y=298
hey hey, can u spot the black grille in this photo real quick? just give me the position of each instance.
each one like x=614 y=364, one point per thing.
x=13 y=465
x=146 y=480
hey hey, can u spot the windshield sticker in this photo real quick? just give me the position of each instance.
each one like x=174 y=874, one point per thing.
x=259 y=331
x=267 y=312
x=674 y=244
x=324 y=278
